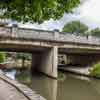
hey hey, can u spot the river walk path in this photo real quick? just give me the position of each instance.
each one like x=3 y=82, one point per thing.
x=77 y=70
x=13 y=90
x=7 y=92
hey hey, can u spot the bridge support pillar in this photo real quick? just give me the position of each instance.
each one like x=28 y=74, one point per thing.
x=47 y=62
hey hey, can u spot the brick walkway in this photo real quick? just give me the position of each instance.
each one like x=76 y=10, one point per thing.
x=8 y=92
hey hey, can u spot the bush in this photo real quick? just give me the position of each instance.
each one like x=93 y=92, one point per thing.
x=95 y=71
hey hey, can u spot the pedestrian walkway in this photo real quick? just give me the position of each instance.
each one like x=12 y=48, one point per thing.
x=13 y=90
x=8 y=92
x=75 y=69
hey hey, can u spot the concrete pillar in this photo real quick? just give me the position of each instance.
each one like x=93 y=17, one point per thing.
x=50 y=62
x=47 y=62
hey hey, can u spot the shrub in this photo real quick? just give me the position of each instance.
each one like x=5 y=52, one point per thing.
x=95 y=71
x=2 y=57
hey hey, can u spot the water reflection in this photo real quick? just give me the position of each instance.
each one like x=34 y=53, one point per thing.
x=11 y=74
x=71 y=88
x=45 y=86
x=96 y=85
x=76 y=89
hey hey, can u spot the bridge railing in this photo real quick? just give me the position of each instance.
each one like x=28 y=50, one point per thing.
x=34 y=34
x=5 y=32
x=79 y=39
x=15 y=32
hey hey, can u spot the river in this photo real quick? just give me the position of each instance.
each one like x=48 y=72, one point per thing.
x=71 y=87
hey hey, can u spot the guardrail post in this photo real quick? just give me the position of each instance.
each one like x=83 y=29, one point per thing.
x=56 y=34
x=14 y=30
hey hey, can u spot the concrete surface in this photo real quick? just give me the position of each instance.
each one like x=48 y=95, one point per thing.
x=8 y=92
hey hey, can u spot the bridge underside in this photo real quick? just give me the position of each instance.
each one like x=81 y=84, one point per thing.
x=44 y=58
x=45 y=54
x=80 y=57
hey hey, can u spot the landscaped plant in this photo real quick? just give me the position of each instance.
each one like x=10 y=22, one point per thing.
x=95 y=71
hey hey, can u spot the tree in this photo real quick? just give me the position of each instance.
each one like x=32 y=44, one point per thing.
x=23 y=56
x=95 y=32
x=35 y=10
x=75 y=27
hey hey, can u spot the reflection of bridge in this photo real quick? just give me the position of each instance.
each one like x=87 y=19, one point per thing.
x=45 y=46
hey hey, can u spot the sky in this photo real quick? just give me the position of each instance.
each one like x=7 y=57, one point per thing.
x=87 y=12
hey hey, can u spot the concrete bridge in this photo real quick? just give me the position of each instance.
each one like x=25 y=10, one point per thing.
x=46 y=45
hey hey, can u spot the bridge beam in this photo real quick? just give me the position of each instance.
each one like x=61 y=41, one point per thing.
x=46 y=62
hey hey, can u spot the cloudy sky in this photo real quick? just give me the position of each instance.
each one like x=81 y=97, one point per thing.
x=88 y=13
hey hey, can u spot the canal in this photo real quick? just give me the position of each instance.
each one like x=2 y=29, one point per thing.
x=70 y=87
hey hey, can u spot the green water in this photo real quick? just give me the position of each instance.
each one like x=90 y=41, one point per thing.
x=71 y=87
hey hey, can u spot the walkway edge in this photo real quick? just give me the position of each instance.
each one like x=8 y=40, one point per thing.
x=27 y=92
x=77 y=73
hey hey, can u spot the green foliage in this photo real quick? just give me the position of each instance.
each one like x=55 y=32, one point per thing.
x=36 y=10
x=61 y=76
x=25 y=56
x=75 y=27
x=95 y=71
x=2 y=57
x=95 y=32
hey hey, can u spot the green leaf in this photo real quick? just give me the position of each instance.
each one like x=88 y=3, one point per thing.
x=36 y=10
